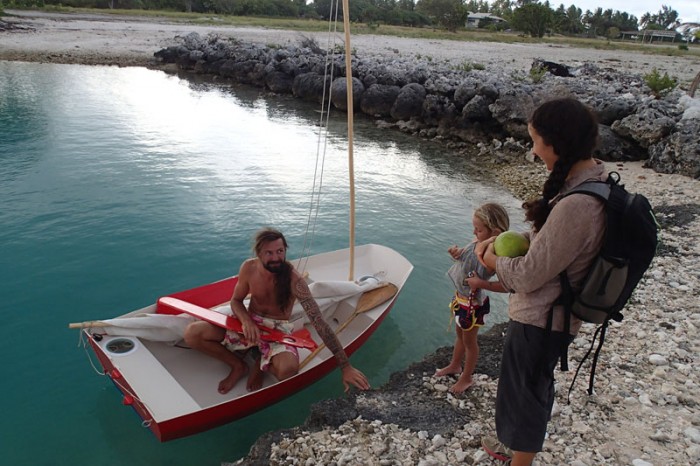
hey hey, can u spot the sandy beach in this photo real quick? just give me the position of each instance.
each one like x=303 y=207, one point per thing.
x=130 y=40
x=646 y=410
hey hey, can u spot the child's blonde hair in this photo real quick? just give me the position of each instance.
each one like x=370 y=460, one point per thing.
x=494 y=216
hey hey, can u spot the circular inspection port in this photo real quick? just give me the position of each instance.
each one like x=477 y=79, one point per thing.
x=120 y=346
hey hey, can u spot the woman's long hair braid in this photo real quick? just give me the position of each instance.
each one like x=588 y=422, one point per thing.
x=571 y=129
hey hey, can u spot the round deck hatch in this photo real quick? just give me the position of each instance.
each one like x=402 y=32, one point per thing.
x=120 y=346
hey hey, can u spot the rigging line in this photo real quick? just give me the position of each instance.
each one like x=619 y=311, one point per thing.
x=326 y=102
x=82 y=342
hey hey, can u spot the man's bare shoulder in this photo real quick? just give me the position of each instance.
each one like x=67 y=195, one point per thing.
x=248 y=266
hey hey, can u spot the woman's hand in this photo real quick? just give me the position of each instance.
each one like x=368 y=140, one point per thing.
x=484 y=252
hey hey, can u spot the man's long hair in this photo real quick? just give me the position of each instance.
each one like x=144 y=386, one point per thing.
x=283 y=279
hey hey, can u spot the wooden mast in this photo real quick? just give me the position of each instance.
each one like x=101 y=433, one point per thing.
x=351 y=168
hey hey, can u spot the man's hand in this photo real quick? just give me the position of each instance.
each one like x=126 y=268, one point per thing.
x=354 y=377
x=251 y=332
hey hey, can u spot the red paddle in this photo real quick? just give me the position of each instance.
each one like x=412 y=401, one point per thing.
x=300 y=338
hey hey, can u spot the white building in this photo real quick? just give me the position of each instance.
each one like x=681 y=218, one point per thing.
x=474 y=19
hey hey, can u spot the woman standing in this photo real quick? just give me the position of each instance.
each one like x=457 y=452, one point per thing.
x=566 y=235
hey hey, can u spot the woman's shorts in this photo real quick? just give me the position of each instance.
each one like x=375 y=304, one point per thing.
x=526 y=385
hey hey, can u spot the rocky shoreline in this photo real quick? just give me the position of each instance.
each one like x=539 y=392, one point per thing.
x=645 y=409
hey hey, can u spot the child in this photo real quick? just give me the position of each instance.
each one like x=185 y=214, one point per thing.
x=469 y=305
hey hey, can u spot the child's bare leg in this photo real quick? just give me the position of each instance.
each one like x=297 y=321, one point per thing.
x=455 y=365
x=471 y=346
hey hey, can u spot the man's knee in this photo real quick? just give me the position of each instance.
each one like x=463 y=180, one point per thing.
x=197 y=332
x=287 y=372
x=284 y=366
x=192 y=334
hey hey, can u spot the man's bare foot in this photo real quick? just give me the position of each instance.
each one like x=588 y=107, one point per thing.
x=232 y=378
x=448 y=370
x=255 y=377
x=461 y=386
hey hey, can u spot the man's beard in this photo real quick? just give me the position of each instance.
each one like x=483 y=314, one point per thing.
x=275 y=267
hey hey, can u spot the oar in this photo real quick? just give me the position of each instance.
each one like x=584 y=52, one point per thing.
x=301 y=338
x=368 y=301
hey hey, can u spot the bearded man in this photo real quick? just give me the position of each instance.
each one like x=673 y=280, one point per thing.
x=273 y=284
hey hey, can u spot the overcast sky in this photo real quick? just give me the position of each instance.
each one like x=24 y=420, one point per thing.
x=688 y=10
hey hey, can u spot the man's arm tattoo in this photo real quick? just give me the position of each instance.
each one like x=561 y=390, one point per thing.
x=303 y=294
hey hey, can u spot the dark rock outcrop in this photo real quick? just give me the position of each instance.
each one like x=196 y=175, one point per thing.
x=339 y=93
x=378 y=99
x=409 y=102
x=680 y=152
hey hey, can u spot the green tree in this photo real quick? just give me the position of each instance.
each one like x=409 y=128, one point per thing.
x=568 y=21
x=533 y=19
x=450 y=14
x=625 y=21
x=502 y=9
x=667 y=18
x=594 y=22
x=599 y=22
x=477 y=6
x=613 y=32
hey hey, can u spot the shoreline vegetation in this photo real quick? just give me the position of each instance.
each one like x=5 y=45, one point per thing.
x=646 y=407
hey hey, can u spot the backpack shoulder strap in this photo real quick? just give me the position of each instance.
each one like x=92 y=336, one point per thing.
x=597 y=188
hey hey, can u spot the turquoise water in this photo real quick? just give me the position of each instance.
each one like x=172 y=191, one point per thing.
x=120 y=185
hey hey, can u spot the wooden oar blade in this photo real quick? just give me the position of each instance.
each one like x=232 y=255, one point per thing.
x=373 y=298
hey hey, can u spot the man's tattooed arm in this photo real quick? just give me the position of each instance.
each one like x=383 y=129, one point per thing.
x=303 y=294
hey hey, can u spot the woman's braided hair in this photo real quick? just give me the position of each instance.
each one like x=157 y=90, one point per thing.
x=571 y=128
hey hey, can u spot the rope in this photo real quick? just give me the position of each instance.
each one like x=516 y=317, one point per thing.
x=83 y=342
x=321 y=145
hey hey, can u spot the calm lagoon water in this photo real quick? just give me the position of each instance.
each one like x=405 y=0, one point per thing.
x=120 y=185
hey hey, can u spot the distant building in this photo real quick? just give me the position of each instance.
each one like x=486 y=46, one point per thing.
x=474 y=19
x=648 y=35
